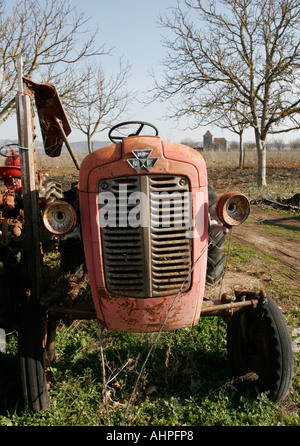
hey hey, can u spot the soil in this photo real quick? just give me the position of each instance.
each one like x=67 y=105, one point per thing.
x=283 y=249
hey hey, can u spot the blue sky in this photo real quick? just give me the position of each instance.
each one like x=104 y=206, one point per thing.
x=130 y=26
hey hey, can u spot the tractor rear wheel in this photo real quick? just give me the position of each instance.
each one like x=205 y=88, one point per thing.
x=258 y=340
x=31 y=356
x=216 y=240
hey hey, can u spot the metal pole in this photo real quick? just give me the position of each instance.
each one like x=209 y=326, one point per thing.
x=64 y=136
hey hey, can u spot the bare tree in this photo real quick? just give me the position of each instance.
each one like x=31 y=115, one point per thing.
x=236 y=119
x=279 y=144
x=295 y=144
x=238 y=128
x=51 y=36
x=99 y=102
x=227 y=112
x=251 y=45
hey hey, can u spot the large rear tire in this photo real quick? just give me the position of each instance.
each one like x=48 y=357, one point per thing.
x=258 y=340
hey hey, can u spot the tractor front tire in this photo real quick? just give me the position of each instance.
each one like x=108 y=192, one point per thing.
x=216 y=240
x=258 y=340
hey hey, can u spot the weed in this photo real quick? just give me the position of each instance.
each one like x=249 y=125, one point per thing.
x=282 y=230
x=187 y=382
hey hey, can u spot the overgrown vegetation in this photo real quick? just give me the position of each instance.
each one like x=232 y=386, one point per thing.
x=187 y=380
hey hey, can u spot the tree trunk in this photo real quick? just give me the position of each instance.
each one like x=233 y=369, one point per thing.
x=242 y=153
x=90 y=145
x=262 y=160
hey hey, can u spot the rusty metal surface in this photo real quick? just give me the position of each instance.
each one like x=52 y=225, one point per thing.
x=59 y=217
x=213 y=308
x=15 y=223
x=10 y=216
x=233 y=208
x=137 y=314
x=49 y=107
x=228 y=305
x=153 y=260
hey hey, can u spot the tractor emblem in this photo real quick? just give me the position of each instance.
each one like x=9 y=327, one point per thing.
x=142 y=159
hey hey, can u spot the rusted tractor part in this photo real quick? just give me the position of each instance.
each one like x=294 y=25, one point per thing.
x=228 y=305
x=10 y=215
x=233 y=208
x=16 y=225
x=54 y=123
x=7 y=200
x=59 y=218
x=17 y=228
x=49 y=106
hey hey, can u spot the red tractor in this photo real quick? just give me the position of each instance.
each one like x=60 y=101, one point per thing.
x=150 y=232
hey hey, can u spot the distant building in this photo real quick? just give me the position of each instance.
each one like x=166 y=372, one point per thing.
x=210 y=143
x=220 y=144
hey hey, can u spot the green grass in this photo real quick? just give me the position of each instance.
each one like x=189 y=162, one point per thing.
x=241 y=256
x=281 y=230
x=244 y=258
x=187 y=382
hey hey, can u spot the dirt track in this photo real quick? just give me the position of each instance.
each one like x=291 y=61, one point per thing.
x=283 y=249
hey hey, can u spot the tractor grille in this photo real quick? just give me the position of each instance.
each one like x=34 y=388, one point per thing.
x=143 y=232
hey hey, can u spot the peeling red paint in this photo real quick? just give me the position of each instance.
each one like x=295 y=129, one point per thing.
x=143 y=314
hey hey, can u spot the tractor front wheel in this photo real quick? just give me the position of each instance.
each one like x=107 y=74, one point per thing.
x=216 y=241
x=258 y=340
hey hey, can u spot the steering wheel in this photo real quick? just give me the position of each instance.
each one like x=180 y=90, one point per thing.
x=142 y=124
x=12 y=154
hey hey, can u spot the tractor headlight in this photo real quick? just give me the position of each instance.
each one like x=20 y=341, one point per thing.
x=59 y=217
x=233 y=208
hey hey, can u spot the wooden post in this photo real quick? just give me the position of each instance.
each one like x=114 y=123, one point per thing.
x=29 y=187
